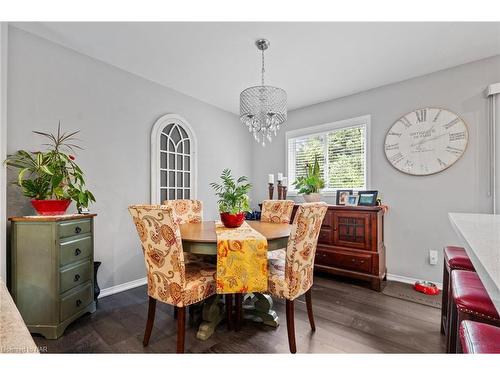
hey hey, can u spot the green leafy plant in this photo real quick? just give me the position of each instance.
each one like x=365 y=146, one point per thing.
x=312 y=182
x=233 y=195
x=53 y=173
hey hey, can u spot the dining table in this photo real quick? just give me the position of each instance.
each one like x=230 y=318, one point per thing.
x=480 y=235
x=201 y=239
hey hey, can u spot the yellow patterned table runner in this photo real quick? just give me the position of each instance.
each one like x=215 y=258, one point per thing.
x=241 y=259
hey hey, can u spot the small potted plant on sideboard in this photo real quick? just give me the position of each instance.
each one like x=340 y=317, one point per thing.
x=51 y=178
x=233 y=199
x=311 y=184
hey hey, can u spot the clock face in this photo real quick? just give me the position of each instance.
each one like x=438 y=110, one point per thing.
x=426 y=141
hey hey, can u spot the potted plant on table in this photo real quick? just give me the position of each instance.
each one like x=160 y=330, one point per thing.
x=311 y=184
x=51 y=178
x=233 y=199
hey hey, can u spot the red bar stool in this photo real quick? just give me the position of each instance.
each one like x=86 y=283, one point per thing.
x=479 y=338
x=455 y=258
x=470 y=301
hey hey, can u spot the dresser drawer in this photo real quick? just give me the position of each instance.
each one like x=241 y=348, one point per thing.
x=346 y=260
x=74 y=228
x=74 y=276
x=76 y=301
x=75 y=250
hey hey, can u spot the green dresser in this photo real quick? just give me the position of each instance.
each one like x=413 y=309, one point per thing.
x=52 y=270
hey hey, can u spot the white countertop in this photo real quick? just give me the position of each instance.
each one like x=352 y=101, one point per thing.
x=480 y=234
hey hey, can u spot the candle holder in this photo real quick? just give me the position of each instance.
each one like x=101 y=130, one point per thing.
x=283 y=192
x=271 y=191
x=280 y=190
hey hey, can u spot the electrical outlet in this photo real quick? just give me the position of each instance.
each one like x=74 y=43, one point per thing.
x=433 y=257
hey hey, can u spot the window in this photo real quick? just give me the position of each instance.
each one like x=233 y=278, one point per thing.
x=341 y=148
x=173 y=160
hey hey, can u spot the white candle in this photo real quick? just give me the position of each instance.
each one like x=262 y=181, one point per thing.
x=285 y=181
x=280 y=176
x=271 y=179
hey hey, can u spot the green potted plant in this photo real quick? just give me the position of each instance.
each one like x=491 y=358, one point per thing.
x=311 y=184
x=233 y=199
x=51 y=178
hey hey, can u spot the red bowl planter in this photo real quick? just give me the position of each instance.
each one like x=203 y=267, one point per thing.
x=232 y=220
x=50 y=207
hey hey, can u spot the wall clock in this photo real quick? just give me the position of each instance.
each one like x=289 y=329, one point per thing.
x=426 y=141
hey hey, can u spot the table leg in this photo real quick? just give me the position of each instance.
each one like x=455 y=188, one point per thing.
x=212 y=315
x=258 y=307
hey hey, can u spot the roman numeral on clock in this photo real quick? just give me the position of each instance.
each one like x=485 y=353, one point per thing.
x=457 y=136
x=437 y=115
x=395 y=134
x=454 y=150
x=451 y=123
x=405 y=121
x=421 y=115
x=442 y=163
x=396 y=158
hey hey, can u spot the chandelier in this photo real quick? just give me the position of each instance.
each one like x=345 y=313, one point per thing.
x=263 y=108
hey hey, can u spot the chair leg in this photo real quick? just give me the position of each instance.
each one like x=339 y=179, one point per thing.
x=238 y=301
x=181 y=328
x=151 y=320
x=444 y=300
x=310 y=310
x=229 y=311
x=452 y=325
x=290 y=326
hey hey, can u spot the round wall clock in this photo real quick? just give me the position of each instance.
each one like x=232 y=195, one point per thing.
x=426 y=141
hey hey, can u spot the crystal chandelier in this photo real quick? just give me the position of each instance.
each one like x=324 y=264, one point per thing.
x=263 y=108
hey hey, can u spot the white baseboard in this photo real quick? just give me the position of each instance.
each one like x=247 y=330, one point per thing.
x=409 y=280
x=123 y=287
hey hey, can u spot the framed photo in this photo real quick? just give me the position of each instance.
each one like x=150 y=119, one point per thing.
x=342 y=196
x=367 y=198
x=352 y=200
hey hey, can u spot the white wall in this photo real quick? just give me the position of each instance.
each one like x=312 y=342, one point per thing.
x=417 y=219
x=115 y=112
x=3 y=146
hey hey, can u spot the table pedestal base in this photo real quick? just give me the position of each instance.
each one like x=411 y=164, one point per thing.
x=258 y=307
x=212 y=315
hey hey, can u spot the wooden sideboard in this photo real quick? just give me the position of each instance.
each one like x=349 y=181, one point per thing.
x=51 y=270
x=351 y=243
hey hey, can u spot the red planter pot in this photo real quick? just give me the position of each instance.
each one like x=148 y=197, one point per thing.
x=232 y=220
x=49 y=207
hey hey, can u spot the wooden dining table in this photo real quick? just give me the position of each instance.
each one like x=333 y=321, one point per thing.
x=201 y=239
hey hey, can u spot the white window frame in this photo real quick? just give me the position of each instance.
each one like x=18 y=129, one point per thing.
x=156 y=132
x=324 y=129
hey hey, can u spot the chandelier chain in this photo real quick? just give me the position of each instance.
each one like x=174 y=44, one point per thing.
x=263 y=69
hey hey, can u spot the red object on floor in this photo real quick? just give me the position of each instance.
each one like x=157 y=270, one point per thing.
x=426 y=287
x=232 y=220
x=457 y=258
x=49 y=207
x=479 y=338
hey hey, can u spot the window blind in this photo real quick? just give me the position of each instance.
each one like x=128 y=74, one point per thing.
x=341 y=155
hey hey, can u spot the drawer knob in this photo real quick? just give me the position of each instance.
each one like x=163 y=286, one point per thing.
x=78 y=302
x=78 y=230
x=77 y=277
x=77 y=252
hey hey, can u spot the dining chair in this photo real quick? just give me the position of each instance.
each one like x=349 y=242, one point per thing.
x=170 y=279
x=186 y=210
x=291 y=273
x=277 y=211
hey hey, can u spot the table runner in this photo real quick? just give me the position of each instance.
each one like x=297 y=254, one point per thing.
x=241 y=260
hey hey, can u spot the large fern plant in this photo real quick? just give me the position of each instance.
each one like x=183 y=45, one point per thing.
x=233 y=194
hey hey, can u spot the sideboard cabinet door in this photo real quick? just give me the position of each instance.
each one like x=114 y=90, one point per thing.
x=352 y=229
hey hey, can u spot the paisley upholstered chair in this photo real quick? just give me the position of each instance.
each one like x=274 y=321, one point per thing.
x=291 y=273
x=186 y=210
x=277 y=211
x=170 y=279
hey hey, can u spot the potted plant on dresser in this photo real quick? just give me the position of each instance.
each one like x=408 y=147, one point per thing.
x=311 y=184
x=51 y=178
x=233 y=199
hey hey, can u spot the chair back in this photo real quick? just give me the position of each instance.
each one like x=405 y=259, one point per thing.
x=162 y=247
x=301 y=247
x=186 y=210
x=277 y=211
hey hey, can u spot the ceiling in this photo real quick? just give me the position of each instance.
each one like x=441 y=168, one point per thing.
x=313 y=62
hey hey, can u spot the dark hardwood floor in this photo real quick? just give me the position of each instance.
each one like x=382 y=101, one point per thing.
x=349 y=319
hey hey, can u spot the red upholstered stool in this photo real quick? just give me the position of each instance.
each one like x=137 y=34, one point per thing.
x=470 y=302
x=455 y=258
x=479 y=338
